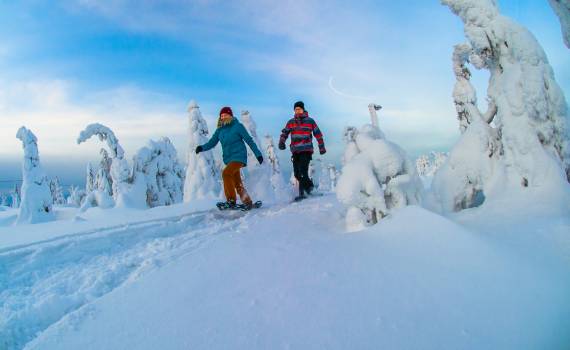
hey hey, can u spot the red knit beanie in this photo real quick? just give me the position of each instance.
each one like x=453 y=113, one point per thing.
x=226 y=110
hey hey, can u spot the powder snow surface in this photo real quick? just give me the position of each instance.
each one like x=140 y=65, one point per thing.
x=287 y=276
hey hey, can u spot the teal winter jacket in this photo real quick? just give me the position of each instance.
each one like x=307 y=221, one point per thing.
x=232 y=137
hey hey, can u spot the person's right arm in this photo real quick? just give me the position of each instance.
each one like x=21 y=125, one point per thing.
x=284 y=135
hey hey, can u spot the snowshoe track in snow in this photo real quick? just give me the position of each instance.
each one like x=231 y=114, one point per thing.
x=48 y=280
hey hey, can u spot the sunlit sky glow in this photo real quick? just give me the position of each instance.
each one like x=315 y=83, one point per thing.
x=134 y=66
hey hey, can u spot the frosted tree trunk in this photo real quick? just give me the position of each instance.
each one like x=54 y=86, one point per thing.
x=16 y=195
x=90 y=178
x=257 y=176
x=372 y=108
x=202 y=173
x=37 y=201
x=562 y=10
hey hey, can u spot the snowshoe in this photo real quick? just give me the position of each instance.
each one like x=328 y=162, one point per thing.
x=247 y=207
x=300 y=198
x=227 y=205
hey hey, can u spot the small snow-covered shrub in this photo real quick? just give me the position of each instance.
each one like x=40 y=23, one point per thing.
x=257 y=176
x=277 y=181
x=164 y=177
x=128 y=186
x=36 y=205
x=377 y=177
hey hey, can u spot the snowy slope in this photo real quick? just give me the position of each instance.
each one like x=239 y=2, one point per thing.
x=289 y=277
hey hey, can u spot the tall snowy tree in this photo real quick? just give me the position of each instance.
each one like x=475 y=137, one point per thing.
x=56 y=191
x=202 y=173
x=76 y=196
x=164 y=176
x=521 y=140
x=562 y=10
x=128 y=188
x=333 y=175
x=325 y=178
x=16 y=196
x=257 y=176
x=37 y=202
x=376 y=177
x=91 y=173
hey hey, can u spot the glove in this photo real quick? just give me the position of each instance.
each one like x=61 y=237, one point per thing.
x=322 y=151
x=260 y=159
x=199 y=149
x=281 y=146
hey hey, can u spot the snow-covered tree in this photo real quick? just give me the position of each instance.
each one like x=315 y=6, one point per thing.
x=333 y=175
x=90 y=178
x=423 y=165
x=521 y=140
x=158 y=161
x=37 y=202
x=377 y=177
x=562 y=10
x=257 y=176
x=56 y=191
x=129 y=190
x=4 y=200
x=373 y=108
x=16 y=197
x=202 y=173
x=325 y=178
x=351 y=149
x=277 y=181
x=428 y=164
x=76 y=196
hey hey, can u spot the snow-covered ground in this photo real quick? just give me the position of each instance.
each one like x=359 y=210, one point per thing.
x=287 y=276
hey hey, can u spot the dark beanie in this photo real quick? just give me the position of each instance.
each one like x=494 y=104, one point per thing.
x=227 y=110
x=299 y=104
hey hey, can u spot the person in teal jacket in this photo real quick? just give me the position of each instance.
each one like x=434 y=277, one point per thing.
x=233 y=136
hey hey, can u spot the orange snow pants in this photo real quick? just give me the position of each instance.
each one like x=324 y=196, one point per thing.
x=232 y=183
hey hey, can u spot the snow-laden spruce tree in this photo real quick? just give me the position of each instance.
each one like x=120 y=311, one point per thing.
x=333 y=175
x=277 y=180
x=36 y=205
x=257 y=176
x=521 y=140
x=76 y=196
x=90 y=175
x=562 y=10
x=377 y=177
x=164 y=177
x=57 y=191
x=128 y=188
x=202 y=173
x=16 y=197
x=324 y=178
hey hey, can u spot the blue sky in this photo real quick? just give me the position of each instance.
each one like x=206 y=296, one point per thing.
x=134 y=66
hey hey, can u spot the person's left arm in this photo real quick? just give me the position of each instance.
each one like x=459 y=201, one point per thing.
x=249 y=140
x=319 y=136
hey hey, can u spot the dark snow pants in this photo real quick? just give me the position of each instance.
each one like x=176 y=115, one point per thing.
x=301 y=163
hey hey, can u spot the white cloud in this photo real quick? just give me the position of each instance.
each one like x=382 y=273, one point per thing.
x=46 y=107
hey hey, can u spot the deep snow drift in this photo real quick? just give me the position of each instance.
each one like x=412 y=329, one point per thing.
x=288 y=277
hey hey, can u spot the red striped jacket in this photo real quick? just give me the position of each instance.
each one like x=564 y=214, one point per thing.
x=302 y=128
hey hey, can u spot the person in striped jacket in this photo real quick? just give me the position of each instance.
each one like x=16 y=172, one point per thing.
x=302 y=128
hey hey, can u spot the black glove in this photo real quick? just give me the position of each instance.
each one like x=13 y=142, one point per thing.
x=281 y=146
x=260 y=159
x=199 y=149
x=322 y=151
